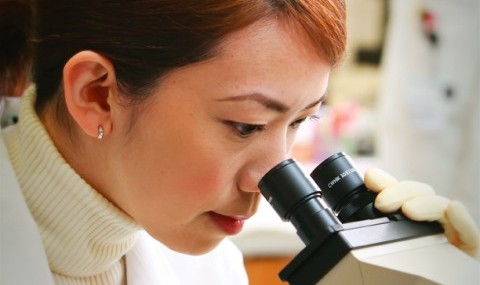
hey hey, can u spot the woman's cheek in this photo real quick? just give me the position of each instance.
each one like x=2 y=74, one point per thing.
x=210 y=184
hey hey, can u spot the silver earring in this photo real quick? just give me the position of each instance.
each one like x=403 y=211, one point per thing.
x=101 y=132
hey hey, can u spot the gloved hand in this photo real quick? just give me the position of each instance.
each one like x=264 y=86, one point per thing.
x=419 y=202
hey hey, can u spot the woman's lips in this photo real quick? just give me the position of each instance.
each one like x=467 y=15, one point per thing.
x=230 y=225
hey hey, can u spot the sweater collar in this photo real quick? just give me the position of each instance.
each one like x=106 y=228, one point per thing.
x=82 y=232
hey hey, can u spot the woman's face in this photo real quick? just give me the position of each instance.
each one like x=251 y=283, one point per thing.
x=188 y=169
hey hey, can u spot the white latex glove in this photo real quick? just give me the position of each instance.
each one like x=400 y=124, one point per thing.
x=419 y=202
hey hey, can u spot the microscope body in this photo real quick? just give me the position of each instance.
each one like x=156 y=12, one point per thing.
x=383 y=252
x=348 y=241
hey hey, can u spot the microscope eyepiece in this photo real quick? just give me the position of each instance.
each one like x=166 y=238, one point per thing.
x=295 y=198
x=313 y=211
x=343 y=189
x=286 y=187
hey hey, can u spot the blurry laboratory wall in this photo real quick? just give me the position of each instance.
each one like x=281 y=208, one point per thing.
x=407 y=97
x=429 y=101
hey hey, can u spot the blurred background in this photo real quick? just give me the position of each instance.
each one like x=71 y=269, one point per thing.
x=406 y=100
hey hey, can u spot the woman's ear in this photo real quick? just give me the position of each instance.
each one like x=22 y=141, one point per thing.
x=89 y=82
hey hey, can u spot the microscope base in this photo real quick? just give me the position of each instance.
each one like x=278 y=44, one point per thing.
x=422 y=261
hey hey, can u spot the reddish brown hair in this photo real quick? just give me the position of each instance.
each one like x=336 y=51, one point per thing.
x=148 y=38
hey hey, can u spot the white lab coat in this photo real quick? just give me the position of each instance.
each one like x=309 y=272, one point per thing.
x=23 y=260
x=429 y=104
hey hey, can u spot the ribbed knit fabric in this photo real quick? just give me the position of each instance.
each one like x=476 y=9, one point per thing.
x=84 y=235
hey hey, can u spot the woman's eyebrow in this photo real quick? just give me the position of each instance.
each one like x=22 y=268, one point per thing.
x=322 y=99
x=268 y=102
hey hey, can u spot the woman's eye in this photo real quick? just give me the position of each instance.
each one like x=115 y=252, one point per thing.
x=296 y=124
x=245 y=130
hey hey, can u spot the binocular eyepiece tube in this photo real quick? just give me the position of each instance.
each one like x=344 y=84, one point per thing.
x=317 y=205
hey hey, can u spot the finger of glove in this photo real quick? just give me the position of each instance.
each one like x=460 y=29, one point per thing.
x=425 y=208
x=376 y=179
x=392 y=198
x=465 y=227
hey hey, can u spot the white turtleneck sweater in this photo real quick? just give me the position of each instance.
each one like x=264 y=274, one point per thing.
x=85 y=236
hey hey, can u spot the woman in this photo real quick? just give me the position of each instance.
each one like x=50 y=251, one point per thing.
x=161 y=116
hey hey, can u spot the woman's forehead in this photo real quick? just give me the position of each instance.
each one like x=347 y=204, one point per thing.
x=268 y=36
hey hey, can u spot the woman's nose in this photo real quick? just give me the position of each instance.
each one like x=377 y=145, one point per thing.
x=258 y=166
